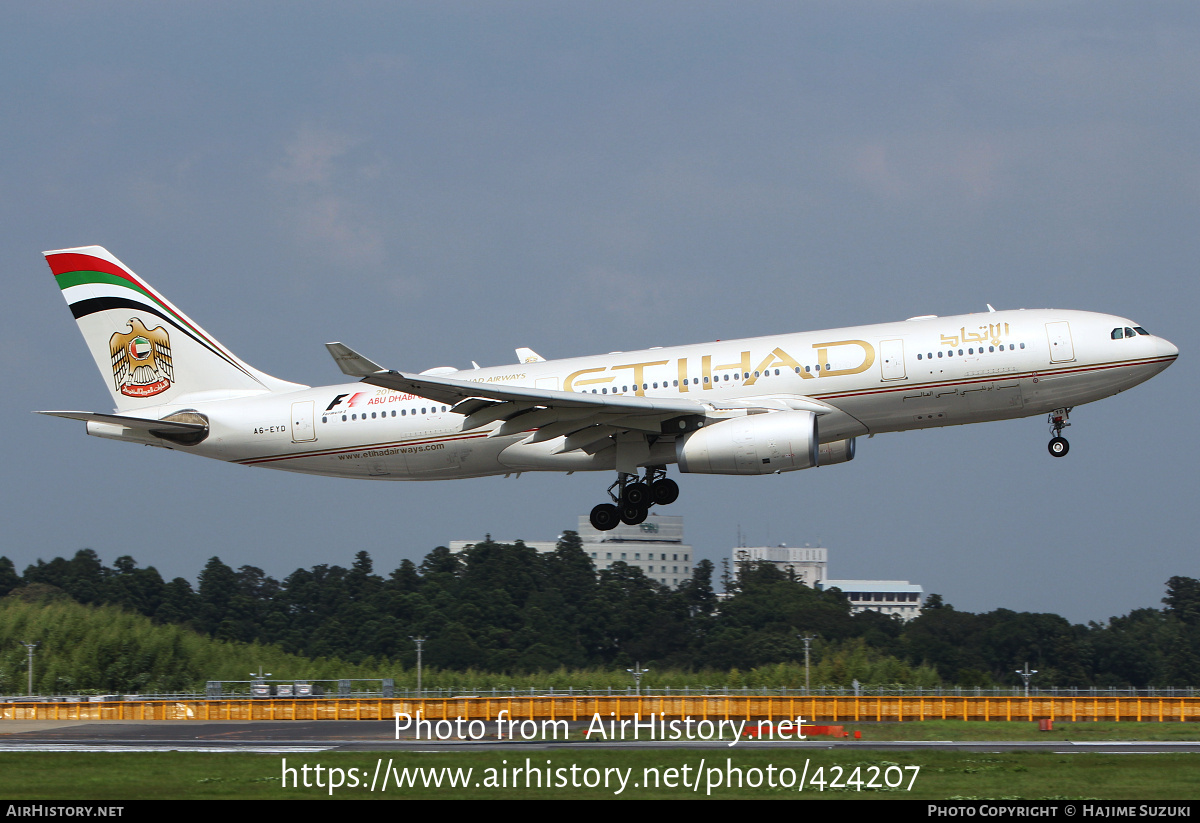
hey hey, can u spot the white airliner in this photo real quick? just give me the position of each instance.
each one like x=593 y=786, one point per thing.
x=756 y=406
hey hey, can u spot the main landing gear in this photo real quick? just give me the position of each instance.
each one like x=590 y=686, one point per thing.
x=633 y=499
x=1058 y=445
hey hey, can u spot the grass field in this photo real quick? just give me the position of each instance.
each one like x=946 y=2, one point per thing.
x=960 y=730
x=938 y=775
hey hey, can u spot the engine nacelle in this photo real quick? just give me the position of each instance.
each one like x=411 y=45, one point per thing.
x=755 y=444
x=839 y=451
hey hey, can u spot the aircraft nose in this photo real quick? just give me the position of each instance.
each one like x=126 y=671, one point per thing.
x=1166 y=348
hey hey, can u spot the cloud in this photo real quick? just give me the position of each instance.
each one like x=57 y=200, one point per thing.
x=319 y=176
x=961 y=169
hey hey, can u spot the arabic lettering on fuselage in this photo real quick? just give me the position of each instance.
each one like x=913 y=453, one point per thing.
x=991 y=331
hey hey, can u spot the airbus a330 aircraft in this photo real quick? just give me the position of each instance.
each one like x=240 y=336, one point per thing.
x=756 y=406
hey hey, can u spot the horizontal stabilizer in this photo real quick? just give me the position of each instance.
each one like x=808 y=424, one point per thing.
x=138 y=423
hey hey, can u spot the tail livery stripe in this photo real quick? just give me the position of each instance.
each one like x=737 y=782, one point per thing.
x=76 y=274
x=73 y=269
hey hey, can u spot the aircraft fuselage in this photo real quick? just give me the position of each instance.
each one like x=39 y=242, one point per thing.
x=919 y=373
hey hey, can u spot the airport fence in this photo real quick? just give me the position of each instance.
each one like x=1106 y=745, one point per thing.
x=559 y=707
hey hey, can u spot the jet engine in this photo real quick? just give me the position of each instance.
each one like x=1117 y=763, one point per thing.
x=839 y=451
x=754 y=444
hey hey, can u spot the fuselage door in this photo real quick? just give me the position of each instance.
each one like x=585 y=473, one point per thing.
x=303 y=430
x=891 y=359
x=1062 y=350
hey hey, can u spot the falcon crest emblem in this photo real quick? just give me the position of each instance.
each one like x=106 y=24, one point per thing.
x=141 y=360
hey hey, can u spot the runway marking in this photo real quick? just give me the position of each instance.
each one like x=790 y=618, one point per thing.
x=102 y=747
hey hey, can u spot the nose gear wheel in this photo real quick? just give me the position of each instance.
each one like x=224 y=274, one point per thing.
x=1058 y=445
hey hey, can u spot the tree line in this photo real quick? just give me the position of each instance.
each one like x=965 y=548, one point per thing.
x=507 y=609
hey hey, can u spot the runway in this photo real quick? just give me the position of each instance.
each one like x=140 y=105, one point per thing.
x=284 y=737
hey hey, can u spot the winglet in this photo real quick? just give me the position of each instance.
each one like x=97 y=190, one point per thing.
x=351 y=362
x=525 y=355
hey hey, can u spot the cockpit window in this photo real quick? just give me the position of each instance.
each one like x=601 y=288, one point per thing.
x=1140 y=330
x=1128 y=332
x=1117 y=334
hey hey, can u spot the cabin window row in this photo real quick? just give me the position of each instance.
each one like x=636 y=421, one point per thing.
x=971 y=350
x=394 y=413
x=696 y=381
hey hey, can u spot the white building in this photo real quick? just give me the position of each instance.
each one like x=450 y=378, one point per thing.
x=655 y=546
x=809 y=565
x=806 y=564
x=898 y=597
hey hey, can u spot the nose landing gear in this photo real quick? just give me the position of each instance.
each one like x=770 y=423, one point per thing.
x=633 y=498
x=1058 y=445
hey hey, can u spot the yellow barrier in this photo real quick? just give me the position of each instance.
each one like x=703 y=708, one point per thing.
x=561 y=707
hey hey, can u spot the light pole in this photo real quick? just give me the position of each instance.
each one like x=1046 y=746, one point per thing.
x=29 y=647
x=808 y=639
x=1025 y=675
x=637 y=671
x=420 y=641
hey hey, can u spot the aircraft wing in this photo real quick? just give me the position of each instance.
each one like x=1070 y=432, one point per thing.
x=585 y=420
x=553 y=413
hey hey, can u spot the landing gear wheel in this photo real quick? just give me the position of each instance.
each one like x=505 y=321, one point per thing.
x=605 y=517
x=636 y=495
x=1059 y=447
x=632 y=515
x=665 y=491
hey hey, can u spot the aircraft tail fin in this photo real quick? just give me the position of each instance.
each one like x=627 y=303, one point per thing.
x=148 y=351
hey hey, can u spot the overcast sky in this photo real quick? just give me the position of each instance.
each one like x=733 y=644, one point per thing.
x=435 y=183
